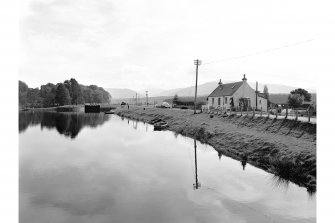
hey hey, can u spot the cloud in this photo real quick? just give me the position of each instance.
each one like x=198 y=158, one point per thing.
x=95 y=40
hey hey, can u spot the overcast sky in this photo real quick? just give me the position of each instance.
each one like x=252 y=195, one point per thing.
x=152 y=43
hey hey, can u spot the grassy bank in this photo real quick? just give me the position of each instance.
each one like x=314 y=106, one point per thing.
x=284 y=147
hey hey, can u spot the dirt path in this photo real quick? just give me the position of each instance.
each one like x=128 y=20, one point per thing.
x=284 y=147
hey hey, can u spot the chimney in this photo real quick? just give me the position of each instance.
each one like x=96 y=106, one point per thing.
x=220 y=83
x=244 y=78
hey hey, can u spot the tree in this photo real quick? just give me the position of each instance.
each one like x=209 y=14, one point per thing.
x=295 y=100
x=48 y=94
x=106 y=96
x=23 y=90
x=175 y=99
x=87 y=94
x=69 y=92
x=62 y=95
x=33 y=97
x=303 y=93
x=98 y=97
x=76 y=92
x=266 y=92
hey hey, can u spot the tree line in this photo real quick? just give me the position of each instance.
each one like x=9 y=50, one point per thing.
x=70 y=92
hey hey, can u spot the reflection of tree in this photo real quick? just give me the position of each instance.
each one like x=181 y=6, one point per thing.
x=28 y=119
x=68 y=124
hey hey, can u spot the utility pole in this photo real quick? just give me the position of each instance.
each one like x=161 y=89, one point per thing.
x=197 y=185
x=197 y=62
x=146 y=93
x=136 y=98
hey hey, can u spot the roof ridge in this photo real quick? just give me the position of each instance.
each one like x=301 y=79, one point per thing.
x=226 y=89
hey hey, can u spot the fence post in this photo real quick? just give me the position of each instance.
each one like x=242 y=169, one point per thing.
x=286 y=113
x=247 y=111
x=268 y=113
x=309 y=116
x=241 y=110
x=296 y=115
x=261 y=111
x=276 y=113
x=253 y=112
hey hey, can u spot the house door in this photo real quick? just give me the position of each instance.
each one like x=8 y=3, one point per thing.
x=245 y=103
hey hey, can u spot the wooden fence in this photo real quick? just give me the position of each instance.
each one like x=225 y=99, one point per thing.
x=306 y=116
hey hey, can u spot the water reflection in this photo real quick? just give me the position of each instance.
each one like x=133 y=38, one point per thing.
x=196 y=185
x=220 y=154
x=135 y=124
x=129 y=175
x=244 y=159
x=68 y=124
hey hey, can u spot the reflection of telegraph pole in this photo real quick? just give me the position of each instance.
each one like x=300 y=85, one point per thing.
x=197 y=63
x=197 y=185
x=146 y=93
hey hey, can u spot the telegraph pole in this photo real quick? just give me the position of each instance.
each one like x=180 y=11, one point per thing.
x=197 y=62
x=146 y=93
x=136 y=98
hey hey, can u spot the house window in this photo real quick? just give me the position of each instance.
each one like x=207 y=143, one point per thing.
x=260 y=102
x=212 y=101
x=219 y=101
x=226 y=100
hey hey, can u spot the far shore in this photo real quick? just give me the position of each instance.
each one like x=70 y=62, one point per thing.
x=67 y=108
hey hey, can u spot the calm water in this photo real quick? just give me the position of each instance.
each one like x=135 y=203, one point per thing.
x=101 y=168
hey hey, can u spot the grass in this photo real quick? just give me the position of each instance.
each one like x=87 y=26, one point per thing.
x=288 y=169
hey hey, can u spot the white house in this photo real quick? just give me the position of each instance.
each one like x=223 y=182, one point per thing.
x=237 y=94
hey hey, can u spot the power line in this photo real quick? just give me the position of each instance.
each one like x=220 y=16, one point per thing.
x=259 y=52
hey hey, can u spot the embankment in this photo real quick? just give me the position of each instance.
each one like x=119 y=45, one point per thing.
x=284 y=147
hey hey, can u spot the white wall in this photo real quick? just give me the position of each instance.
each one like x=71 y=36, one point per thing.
x=244 y=91
x=262 y=103
x=216 y=100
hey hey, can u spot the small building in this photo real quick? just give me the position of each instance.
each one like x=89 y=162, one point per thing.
x=237 y=95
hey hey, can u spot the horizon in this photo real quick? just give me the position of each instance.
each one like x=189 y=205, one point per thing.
x=310 y=90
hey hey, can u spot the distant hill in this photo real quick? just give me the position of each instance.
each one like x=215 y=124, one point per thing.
x=122 y=93
x=203 y=90
x=152 y=92
x=282 y=98
x=207 y=88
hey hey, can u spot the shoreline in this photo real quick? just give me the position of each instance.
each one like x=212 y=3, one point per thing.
x=286 y=148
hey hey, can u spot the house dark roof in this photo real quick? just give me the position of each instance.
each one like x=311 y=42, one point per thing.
x=226 y=89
